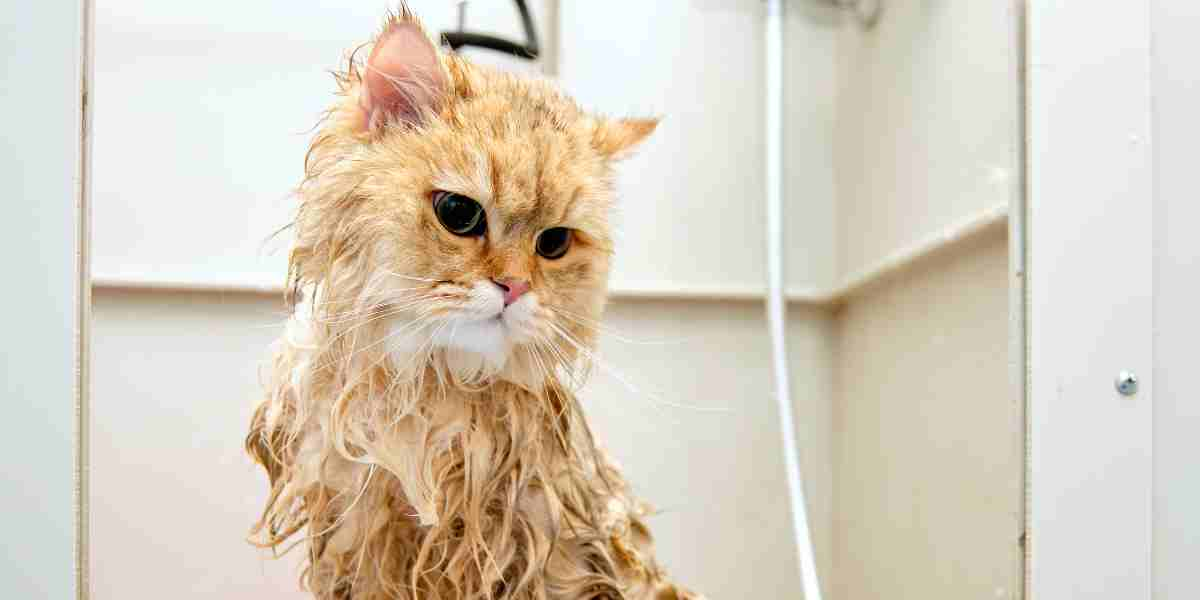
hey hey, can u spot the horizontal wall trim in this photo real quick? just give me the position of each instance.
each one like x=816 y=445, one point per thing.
x=954 y=235
x=991 y=219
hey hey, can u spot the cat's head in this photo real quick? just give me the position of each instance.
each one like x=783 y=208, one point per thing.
x=467 y=207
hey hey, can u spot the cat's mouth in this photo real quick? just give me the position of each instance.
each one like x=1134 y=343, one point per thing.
x=490 y=336
x=481 y=327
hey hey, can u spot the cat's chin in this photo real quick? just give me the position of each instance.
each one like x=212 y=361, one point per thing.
x=474 y=349
x=489 y=338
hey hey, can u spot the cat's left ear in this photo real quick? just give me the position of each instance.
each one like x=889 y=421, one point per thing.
x=616 y=138
x=403 y=76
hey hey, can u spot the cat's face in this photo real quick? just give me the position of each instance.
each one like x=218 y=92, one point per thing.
x=501 y=234
x=478 y=204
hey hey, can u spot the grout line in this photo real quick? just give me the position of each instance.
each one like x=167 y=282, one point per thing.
x=1022 y=301
x=1019 y=306
x=991 y=219
x=83 y=309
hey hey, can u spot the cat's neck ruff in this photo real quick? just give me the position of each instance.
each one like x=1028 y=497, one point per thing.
x=430 y=476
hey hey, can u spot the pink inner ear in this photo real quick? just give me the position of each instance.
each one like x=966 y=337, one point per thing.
x=402 y=76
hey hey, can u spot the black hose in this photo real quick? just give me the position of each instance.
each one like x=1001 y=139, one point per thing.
x=529 y=50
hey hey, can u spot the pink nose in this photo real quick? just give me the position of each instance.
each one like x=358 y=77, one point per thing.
x=513 y=288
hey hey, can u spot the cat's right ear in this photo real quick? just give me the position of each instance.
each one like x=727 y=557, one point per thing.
x=403 y=77
x=615 y=139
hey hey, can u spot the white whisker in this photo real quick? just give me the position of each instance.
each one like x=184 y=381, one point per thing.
x=609 y=331
x=604 y=366
x=412 y=278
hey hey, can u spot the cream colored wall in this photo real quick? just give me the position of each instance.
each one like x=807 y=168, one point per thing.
x=926 y=430
x=698 y=64
x=810 y=110
x=927 y=453
x=173 y=494
x=927 y=114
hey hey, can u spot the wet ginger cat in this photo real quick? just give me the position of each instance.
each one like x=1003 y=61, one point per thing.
x=420 y=431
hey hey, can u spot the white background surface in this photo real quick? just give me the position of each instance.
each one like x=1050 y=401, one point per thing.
x=1091 y=276
x=39 y=155
x=693 y=197
x=1176 y=502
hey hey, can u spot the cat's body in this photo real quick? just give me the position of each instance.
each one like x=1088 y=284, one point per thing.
x=421 y=431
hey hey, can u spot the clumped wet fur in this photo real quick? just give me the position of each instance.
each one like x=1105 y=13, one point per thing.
x=421 y=440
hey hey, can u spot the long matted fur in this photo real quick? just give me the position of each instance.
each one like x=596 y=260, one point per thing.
x=418 y=445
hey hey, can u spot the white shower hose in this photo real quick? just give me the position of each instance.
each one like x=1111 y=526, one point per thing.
x=776 y=303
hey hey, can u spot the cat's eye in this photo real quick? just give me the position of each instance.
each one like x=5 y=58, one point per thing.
x=459 y=214
x=554 y=242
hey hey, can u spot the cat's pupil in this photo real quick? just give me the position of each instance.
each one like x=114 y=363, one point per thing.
x=459 y=214
x=553 y=242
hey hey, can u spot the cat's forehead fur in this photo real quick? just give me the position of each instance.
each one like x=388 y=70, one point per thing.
x=413 y=121
x=517 y=146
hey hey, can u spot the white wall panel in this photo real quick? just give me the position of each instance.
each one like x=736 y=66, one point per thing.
x=173 y=493
x=40 y=154
x=1091 y=270
x=1176 y=85
x=692 y=205
x=810 y=114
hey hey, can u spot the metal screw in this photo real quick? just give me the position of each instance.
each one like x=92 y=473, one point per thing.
x=1127 y=383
